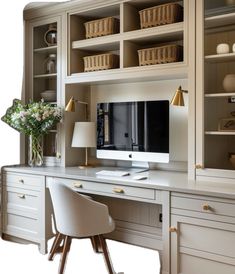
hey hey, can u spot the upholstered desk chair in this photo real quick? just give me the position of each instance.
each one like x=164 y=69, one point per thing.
x=78 y=216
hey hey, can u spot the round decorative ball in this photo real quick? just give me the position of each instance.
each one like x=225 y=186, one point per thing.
x=229 y=83
x=222 y=48
x=50 y=36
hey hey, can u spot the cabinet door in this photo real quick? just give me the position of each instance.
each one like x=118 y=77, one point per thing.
x=215 y=133
x=44 y=74
x=201 y=246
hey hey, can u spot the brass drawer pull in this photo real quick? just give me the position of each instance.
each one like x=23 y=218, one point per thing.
x=206 y=207
x=21 y=196
x=77 y=185
x=172 y=229
x=118 y=190
x=21 y=181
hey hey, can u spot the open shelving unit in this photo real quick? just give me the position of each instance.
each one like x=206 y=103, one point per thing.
x=125 y=43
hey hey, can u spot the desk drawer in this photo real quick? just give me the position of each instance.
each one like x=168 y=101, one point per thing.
x=25 y=201
x=20 y=226
x=204 y=204
x=23 y=180
x=115 y=189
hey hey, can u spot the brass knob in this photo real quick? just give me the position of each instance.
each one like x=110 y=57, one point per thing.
x=118 y=190
x=77 y=185
x=199 y=166
x=172 y=229
x=21 y=196
x=206 y=207
x=21 y=181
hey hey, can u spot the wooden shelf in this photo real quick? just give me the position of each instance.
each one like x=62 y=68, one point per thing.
x=218 y=95
x=177 y=70
x=50 y=75
x=51 y=49
x=170 y=32
x=220 y=132
x=100 y=43
x=220 y=20
x=216 y=58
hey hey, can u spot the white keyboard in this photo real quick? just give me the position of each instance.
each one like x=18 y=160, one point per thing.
x=115 y=173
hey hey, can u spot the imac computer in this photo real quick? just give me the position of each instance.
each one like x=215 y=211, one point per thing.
x=133 y=131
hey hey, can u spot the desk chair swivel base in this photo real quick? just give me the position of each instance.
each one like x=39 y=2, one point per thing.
x=98 y=243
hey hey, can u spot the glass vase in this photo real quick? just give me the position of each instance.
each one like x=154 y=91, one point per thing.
x=35 y=151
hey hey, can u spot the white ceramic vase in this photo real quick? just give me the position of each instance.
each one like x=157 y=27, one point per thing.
x=229 y=83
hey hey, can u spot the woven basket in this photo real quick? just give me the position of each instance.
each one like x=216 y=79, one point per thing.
x=160 y=55
x=101 y=27
x=161 y=15
x=100 y=62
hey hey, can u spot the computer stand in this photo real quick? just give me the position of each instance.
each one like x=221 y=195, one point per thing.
x=138 y=167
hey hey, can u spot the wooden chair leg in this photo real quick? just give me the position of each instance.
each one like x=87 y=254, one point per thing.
x=55 y=246
x=96 y=244
x=106 y=255
x=66 y=248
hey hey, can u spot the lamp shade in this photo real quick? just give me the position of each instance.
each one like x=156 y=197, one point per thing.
x=178 y=98
x=84 y=134
x=70 y=107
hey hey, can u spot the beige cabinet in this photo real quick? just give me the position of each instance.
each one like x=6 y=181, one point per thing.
x=215 y=131
x=202 y=235
x=26 y=209
x=43 y=74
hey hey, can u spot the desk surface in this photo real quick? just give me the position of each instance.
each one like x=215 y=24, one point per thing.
x=161 y=180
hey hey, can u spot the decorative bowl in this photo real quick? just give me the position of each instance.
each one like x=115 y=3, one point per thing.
x=49 y=95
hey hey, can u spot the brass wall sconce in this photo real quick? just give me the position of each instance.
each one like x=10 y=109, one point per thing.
x=178 y=98
x=70 y=107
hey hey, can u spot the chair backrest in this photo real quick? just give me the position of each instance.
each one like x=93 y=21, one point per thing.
x=76 y=215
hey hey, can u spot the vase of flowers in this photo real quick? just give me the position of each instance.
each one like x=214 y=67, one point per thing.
x=34 y=120
x=35 y=150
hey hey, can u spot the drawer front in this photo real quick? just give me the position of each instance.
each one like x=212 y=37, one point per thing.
x=23 y=180
x=212 y=240
x=20 y=226
x=195 y=265
x=117 y=190
x=204 y=205
x=20 y=199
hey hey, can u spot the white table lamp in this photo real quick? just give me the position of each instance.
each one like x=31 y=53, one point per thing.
x=84 y=135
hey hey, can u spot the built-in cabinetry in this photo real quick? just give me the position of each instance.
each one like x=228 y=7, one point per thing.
x=44 y=75
x=202 y=234
x=126 y=42
x=26 y=209
x=215 y=130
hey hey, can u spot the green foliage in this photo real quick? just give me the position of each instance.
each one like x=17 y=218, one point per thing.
x=35 y=118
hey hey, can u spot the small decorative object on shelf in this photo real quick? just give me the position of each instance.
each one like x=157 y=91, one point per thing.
x=101 y=27
x=34 y=120
x=100 y=62
x=160 y=55
x=232 y=159
x=51 y=63
x=50 y=36
x=49 y=95
x=229 y=83
x=227 y=124
x=222 y=48
x=161 y=15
